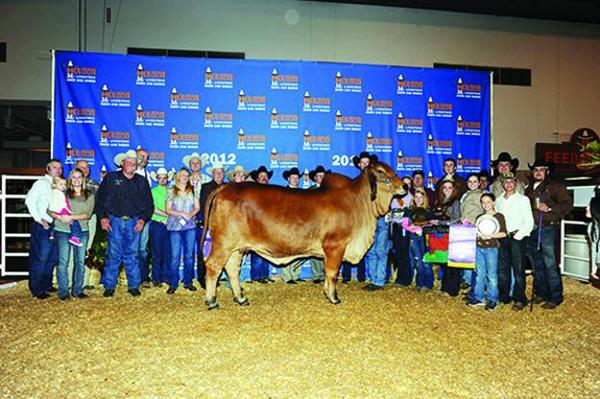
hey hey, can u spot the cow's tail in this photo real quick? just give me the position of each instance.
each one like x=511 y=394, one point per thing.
x=207 y=211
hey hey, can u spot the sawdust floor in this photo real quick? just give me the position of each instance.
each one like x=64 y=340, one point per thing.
x=396 y=343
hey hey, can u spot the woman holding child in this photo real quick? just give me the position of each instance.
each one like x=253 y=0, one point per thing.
x=81 y=206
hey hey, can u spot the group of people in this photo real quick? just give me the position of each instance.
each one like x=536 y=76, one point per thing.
x=165 y=211
x=524 y=216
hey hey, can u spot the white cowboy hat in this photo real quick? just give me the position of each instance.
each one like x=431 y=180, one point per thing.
x=162 y=171
x=188 y=158
x=217 y=165
x=119 y=158
x=235 y=171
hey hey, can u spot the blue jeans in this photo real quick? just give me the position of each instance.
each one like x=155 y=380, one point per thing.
x=259 y=267
x=62 y=272
x=376 y=258
x=42 y=256
x=75 y=227
x=486 y=264
x=143 y=252
x=468 y=277
x=424 y=270
x=510 y=260
x=123 y=246
x=405 y=267
x=161 y=251
x=185 y=239
x=548 y=282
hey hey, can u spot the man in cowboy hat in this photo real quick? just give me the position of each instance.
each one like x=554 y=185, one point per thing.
x=159 y=236
x=501 y=166
x=519 y=223
x=259 y=266
x=217 y=170
x=291 y=273
x=194 y=163
x=317 y=175
x=550 y=203
x=237 y=174
x=123 y=205
x=261 y=175
x=363 y=160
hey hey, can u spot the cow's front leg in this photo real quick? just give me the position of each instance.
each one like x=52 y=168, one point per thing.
x=233 y=273
x=333 y=261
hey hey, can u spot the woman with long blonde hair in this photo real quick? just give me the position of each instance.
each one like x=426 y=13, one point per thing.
x=182 y=207
x=81 y=202
x=417 y=216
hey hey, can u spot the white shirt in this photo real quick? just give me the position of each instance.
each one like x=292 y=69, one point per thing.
x=38 y=199
x=517 y=212
x=145 y=175
x=58 y=201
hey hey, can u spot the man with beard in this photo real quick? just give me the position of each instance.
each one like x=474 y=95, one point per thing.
x=550 y=203
x=124 y=205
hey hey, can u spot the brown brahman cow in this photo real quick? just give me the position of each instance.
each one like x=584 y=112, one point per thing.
x=336 y=222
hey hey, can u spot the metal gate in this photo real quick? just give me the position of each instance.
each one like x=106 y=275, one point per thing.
x=14 y=242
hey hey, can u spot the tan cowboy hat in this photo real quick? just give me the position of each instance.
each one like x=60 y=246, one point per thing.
x=188 y=158
x=162 y=171
x=217 y=165
x=235 y=171
x=119 y=158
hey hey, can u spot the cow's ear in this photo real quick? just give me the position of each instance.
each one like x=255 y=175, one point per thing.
x=373 y=183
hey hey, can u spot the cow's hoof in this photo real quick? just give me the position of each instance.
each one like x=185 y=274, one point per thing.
x=211 y=305
x=242 y=302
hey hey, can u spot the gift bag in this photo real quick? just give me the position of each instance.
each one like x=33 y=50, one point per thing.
x=462 y=244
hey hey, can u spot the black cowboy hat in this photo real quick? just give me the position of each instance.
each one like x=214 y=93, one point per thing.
x=254 y=174
x=293 y=171
x=318 y=169
x=505 y=157
x=364 y=154
x=539 y=163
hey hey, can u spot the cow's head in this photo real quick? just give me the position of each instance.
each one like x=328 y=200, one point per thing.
x=384 y=185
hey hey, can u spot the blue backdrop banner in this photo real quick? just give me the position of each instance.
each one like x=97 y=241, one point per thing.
x=279 y=114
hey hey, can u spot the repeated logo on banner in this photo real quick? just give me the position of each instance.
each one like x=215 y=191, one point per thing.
x=275 y=113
